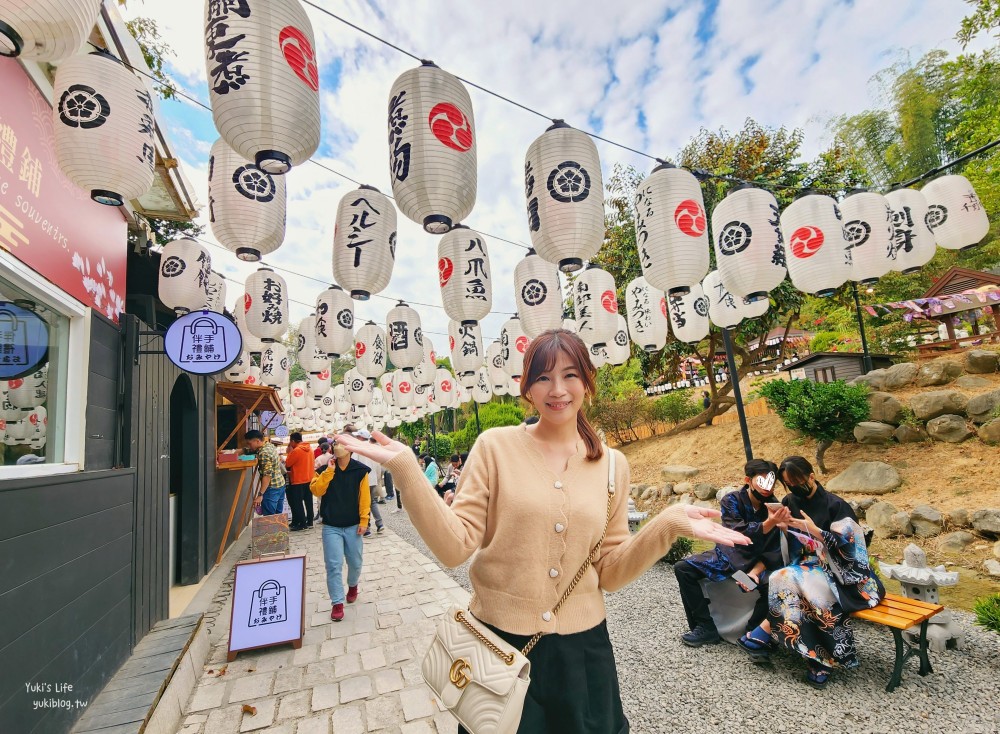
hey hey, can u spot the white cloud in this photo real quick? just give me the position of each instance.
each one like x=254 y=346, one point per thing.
x=590 y=60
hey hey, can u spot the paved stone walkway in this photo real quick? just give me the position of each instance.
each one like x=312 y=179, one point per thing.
x=350 y=677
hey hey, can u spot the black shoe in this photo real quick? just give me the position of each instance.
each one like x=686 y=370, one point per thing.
x=308 y=525
x=701 y=635
x=296 y=528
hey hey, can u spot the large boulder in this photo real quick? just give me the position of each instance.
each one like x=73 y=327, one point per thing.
x=981 y=407
x=940 y=371
x=877 y=516
x=927 y=522
x=705 y=490
x=872 y=432
x=866 y=477
x=981 y=362
x=990 y=432
x=933 y=403
x=885 y=408
x=959 y=518
x=971 y=382
x=987 y=521
x=678 y=472
x=949 y=428
x=908 y=433
x=899 y=376
x=874 y=379
x=956 y=542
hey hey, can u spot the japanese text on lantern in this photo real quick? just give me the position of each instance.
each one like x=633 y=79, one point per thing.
x=468 y=340
x=228 y=74
x=378 y=351
x=643 y=209
x=641 y=314
x=902 y=232
x=400 y=165
x=534 y=221
x=677 y=311
x=583 y=305
x=146 y=128
x=778 y=256
x=475 y=271
x=273 y=299
x=360 y=221
x=399 y=335
x=724 y=296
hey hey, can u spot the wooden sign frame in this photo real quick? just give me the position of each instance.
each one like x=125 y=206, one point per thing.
x=249 y=587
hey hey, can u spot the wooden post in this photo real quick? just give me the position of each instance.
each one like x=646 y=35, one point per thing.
x=232 y=512
x=247 y=503
x=950 y=327
x=995 y=308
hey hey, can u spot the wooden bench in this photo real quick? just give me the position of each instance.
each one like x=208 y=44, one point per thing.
x=899 y=613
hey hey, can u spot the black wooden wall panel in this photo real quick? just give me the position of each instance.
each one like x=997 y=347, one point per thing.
x=102 y=394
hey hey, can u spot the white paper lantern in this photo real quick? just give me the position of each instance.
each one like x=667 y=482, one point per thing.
x=253 y=376
x=335 y=321
x=468 y=381
x=370 y=351
x=647 y=318
x=513 y=345
x=463 y=394
x=726 y=310
x=423 y=373
x=327 y=405
x=466 y=342
x=819 y=260
x=215 y=293
x=45 y=30
x=319 y=386
x=359 y=388
x=445 y=387
x=569 y=325
x=432 y=148
x=618 y=350
x=251 y=344
x=955 y=214
x=406 y=337
x=495 y=365
x=671 y=229
x=185 y=270
x=377 y=407
x=464 y=274
x=299 y=394
x=538 y=294
x=26 y=392
x=868 y=229
x=246 y=205
x=103 y=124
x=364 y=242
x=565 y=194
x=394 y=422
x=598 y=355
x=596 y=303
x=240 y=369
x=482 y=393
x=16 y=432
x=274 y=364
x=385 y=384
x=37 y=443
x=341 y=398
x=421 y=395
x=689 y=315
x=263 y=80
x=402 y=388
x=913 y=243
x=749 y=249
x=267 y=304
x=304 y=413
x=308 y=353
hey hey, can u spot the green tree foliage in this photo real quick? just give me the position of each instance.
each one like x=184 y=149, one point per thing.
x=825 y=411
x=440 y=447
x=987 y=611
x=675 y=407
x=491 y=415
x=985 y=18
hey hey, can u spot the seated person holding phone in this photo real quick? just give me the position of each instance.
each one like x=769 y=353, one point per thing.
x=745 y=512
x=826 y=576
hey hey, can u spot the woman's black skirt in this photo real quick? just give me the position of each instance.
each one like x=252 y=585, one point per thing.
x=574 y=684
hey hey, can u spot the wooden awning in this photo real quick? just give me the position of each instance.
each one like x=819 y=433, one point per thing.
x=250 y=397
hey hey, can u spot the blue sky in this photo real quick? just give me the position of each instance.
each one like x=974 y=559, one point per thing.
x=647 y=74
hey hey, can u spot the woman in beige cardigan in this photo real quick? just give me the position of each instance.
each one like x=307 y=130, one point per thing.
x=533 y=502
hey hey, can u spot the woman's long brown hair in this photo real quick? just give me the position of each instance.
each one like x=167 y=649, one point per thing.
x=541 y=357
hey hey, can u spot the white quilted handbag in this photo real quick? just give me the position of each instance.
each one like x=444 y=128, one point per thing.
x=478 y=676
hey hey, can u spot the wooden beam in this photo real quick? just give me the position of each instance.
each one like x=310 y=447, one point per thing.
x=232 y=512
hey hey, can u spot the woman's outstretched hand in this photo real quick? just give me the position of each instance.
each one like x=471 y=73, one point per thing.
x=705 y=528
x=385 y=450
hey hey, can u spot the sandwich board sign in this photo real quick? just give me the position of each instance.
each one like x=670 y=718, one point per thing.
x=268 y=604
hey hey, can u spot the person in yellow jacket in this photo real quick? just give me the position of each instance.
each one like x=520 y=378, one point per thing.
x=345 y=501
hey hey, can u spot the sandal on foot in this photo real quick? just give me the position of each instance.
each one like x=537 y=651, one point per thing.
x=818 y=677
x=757 y=648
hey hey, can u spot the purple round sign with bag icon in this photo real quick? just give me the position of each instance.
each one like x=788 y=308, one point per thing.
x=203 y=342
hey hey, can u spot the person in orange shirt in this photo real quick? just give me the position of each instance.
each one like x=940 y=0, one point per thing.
x=299 y=462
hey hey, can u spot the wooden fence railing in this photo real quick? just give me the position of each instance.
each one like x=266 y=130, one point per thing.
x=753 y=409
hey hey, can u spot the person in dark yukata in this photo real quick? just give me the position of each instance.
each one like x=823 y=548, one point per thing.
x=826 y=576
x=745 y=512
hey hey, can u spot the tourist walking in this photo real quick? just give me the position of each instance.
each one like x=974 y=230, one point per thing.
x=299 y=463
x=270 y=498
x=535 y=503
x=374 y=474
x=345 y=501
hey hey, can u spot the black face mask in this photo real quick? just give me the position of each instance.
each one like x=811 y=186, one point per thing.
x=761 y=497
x=802 y=491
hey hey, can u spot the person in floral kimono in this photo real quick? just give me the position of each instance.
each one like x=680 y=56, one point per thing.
x=827 y=577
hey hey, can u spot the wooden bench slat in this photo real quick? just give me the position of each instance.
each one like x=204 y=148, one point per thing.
x=907 y=608
x=888 y=620
x=915 y=603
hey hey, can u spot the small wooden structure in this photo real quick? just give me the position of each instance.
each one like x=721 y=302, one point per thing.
x=961 y=290
x=830 y=366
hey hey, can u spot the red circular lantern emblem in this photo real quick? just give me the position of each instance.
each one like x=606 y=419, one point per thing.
x=14 y=384
x=359 y=350
x=434 y=358
x=609 y=301
x=450 y=126
x=451 y=343
x=404 y=387
x=247 y=302
x=690 y=218
x=297 y=392
x=324 y=375
x=663 y=307
x=298 y=53
x=806 y=241
x=446 y=385
x=445 y=269
x=33 y=419
x=522 y=344
x=251 y=380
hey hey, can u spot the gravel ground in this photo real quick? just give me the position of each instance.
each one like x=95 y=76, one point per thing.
x=669 y=687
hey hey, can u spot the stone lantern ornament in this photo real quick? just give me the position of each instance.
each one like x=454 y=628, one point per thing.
x=921 y=582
